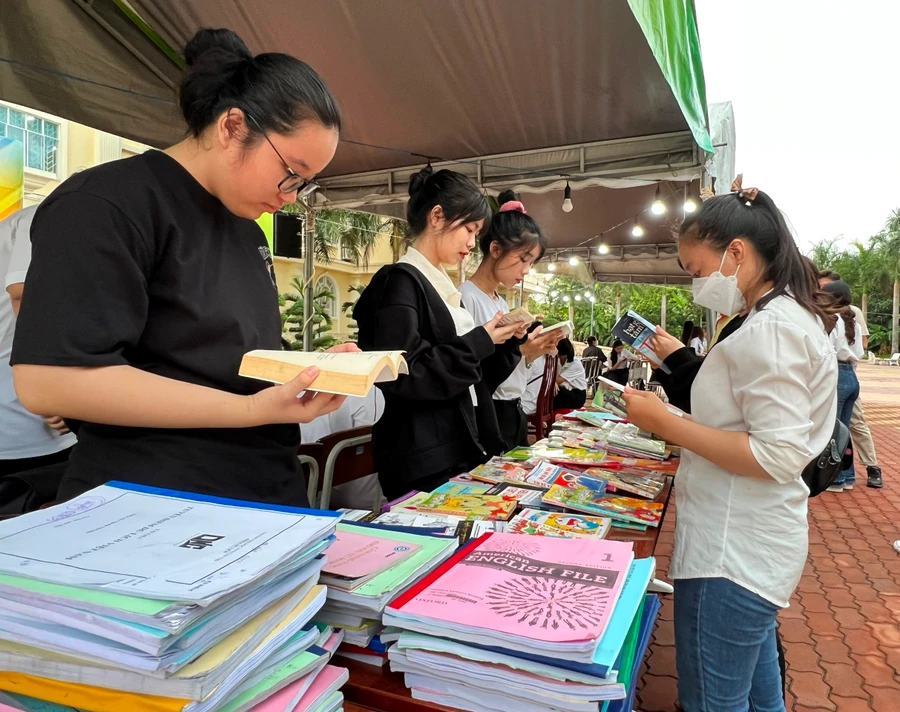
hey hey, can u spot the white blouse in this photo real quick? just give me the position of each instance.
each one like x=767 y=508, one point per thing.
x=443 y=285
x=851 y=353
x=573 y=374
x=776 y=379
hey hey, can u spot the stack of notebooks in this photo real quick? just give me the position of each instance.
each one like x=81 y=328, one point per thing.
x=135 y=598
x=368 y=565
x=542 y=624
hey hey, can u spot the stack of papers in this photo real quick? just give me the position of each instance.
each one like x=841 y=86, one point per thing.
x=531 y=623
x=386 y=561
x=137 y=598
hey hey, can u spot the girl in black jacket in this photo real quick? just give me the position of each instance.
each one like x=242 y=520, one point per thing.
x=430 y=430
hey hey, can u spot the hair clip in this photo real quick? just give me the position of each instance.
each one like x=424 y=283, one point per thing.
x=746 y=194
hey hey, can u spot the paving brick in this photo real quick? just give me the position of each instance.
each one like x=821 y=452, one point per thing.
x=795 y=631
x=810 y=690
x=875 y=671
x=841 y=598
x=825 y=623
x=849 y=618
x=887 y=634
x=848 y=704
x=815 y=602
x=832 y=649
x=843 y=678
x=658 y=694
x=884 y=699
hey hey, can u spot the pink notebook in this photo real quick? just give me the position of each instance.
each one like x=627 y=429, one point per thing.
x=331 y=678
x=355 y=556
x=548 y=589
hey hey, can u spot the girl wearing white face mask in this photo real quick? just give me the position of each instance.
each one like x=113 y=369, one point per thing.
x=763 y=406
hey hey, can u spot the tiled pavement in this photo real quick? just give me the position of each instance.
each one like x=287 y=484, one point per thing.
x=842 y=630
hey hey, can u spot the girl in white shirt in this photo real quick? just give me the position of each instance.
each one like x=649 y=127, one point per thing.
x=570 y=379
x=510 y=247
x=763 y=407
x=846 y=337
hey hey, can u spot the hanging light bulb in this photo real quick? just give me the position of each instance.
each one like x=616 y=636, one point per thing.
x=532 y=271
x=690 y=205
x=637 y=230
x=566 y=298
x=551 y=267
x=603 y=248
x=577 y=297
x=587 y=295
x=567 y=206
x=593 y=299
x=573 y=261
x=658 y=207
x=554 y=293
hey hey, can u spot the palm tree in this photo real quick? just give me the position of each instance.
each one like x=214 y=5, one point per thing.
x=869 y=272
x=347 y=233
x=292 y=318
x=888 y=245
x=396 y=230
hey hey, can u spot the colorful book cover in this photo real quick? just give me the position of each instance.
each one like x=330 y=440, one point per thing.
x=459 y=488
x=592 y=417
x=588 y=501
x=630 y=443
x=498 y=470
x=387 y=506
x=536 y=523
x=523 y=496
x=648 y=466
x=621 y=480
x=474 y=528
x=473 y=506
x=546 y=589
x=610 y=401
x=418 y=520
x=636 y=331
x=573 y=480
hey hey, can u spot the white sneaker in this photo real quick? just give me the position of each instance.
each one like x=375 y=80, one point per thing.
x=848 y=487
x=897 y=546
x=835 y=488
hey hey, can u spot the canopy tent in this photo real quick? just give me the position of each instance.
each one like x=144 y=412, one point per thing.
x=607 y=96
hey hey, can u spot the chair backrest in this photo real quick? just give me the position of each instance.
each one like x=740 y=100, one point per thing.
x=544 y=410
x=591 y=367
x=351 y=454
x=895 y=357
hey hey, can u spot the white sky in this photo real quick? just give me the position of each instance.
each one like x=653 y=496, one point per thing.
x=816 y=105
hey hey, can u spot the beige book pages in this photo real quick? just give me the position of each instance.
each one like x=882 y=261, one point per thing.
x=516 y=315
x=348 y=374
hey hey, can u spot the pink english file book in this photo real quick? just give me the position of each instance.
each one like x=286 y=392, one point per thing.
x=355 y=555
x=286 y=700
x=548 y=589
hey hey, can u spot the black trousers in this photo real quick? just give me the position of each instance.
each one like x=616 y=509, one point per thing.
x=12 y=467
x=569 y=399
x=394 y=487
x=513 y=423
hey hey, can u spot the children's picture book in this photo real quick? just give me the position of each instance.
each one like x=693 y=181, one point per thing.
x=537 y=523
x=572 y=479
x=472 y=506
x=418 y=520
x=562 y=455
x=347 y=374
x=499 y=469
x=462 y=488
x=636 y=331
x=545 y=589
x=627 y=509
x=524 y=496
x=624 y=481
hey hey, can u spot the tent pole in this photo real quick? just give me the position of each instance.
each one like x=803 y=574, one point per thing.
x=309 y=266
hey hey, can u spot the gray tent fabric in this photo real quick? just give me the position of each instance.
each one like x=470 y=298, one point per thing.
x=72 y=59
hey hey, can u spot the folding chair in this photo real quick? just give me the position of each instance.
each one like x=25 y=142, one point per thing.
x=346 y=456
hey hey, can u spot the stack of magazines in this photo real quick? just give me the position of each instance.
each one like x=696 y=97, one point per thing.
x=134 y=598
x=533 y=623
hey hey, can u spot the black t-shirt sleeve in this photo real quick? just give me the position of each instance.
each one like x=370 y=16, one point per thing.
x=86 y=298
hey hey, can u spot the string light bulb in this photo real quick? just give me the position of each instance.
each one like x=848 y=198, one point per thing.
x=573 y=261
x=566 y=298
x=637 y=230
x=551 y=267
x=603 y=248
x=593 y=299
x=587 y=295
x=554 y=294
x=532 y=271
x=567 y=206
x=658 y=207
x=690 y=205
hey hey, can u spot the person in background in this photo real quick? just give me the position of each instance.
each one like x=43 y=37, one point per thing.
x=150 y=280
x=430 y=430
x=861 y=436
x=698 y=341
x=570 y=379
x=686 y=330
x=756 y=422
x=510 y=247
x=846 y=337
x=27 y=441
x=619 y=363
x=353 y=413
x=593 y=351
x=534 y=380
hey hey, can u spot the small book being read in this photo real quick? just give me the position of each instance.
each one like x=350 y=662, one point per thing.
x=345 y=374
x=568 y=328
x=636 y=331
x=516 y=315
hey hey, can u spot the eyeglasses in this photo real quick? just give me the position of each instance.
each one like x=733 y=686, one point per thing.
x=291 y=182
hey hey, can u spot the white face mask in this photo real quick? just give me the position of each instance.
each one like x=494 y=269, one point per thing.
x=718 y=292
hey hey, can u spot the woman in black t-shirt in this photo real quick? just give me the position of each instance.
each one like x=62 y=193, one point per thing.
x=150 y=280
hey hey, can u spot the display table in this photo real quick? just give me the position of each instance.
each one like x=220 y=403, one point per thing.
x=374 y=689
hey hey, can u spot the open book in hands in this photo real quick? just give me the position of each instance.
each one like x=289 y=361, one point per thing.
x=346 y=374
x=515 y=316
